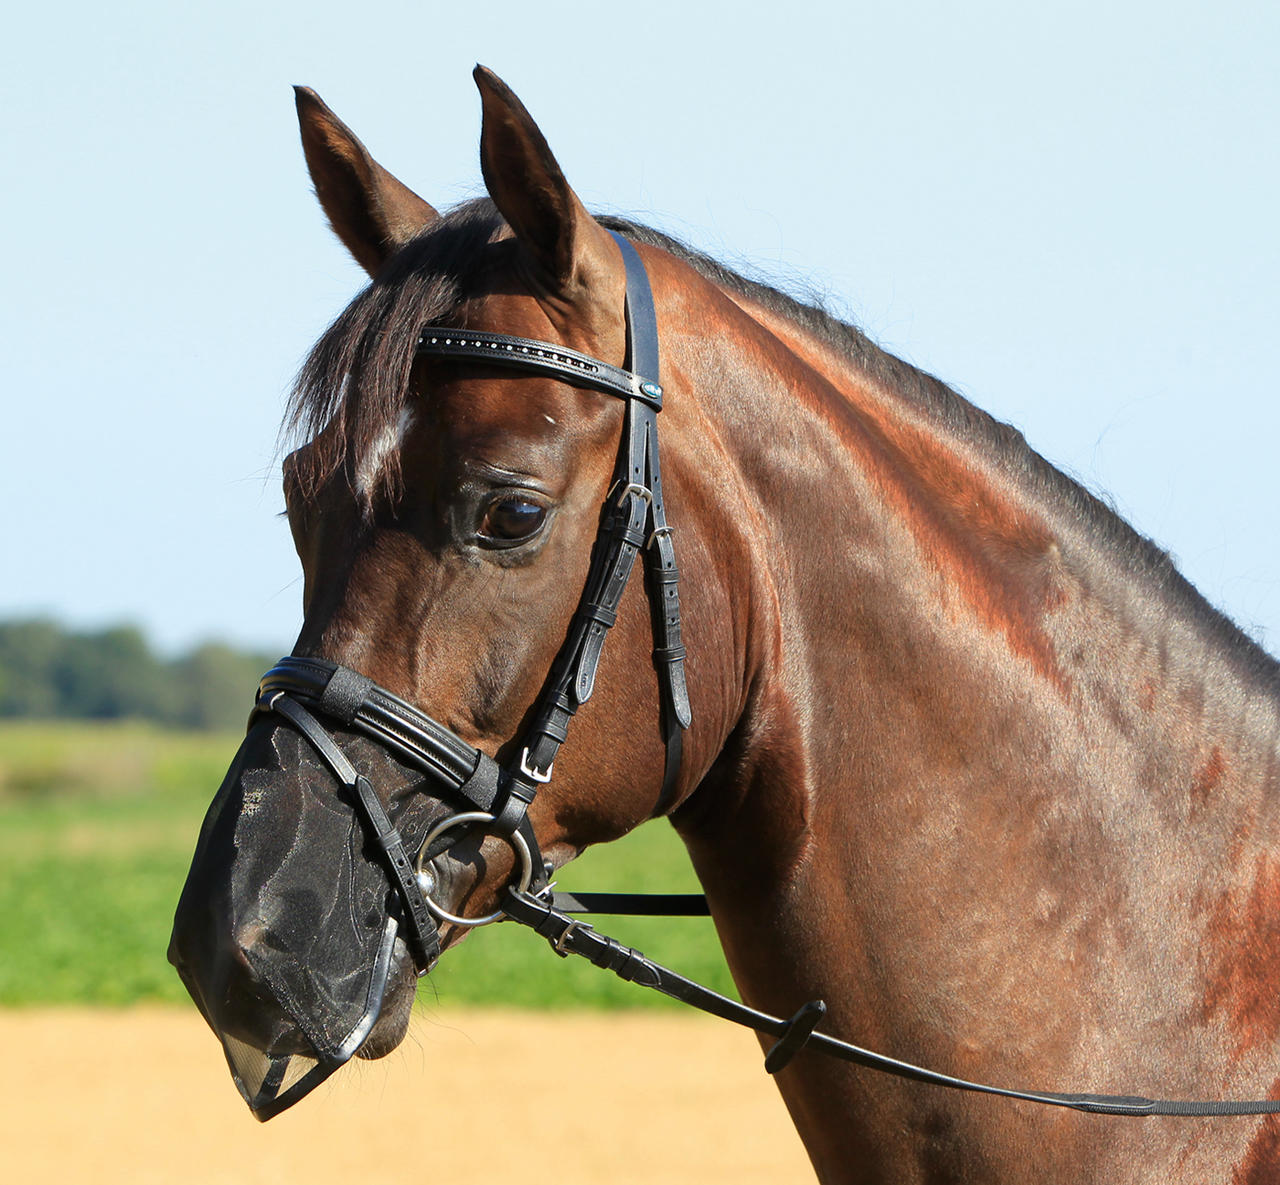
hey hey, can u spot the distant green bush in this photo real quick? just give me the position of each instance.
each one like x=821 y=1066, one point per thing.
x=48 y=672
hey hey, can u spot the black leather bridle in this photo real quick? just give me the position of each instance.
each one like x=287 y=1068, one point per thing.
x=633 y=521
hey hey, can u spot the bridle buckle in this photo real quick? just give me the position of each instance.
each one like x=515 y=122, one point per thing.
x=558 y=944
x=536 y=775
x=632 y=487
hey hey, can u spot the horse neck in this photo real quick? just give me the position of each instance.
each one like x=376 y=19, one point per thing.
x=963 y=683
x=900 y=540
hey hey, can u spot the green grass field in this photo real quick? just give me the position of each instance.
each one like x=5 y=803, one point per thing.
x=97 y=826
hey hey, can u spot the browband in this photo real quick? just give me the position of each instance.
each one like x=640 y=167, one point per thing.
x=524 y=353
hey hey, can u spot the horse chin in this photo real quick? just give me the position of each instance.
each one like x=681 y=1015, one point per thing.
x=397 y=1006
x=387 y=1033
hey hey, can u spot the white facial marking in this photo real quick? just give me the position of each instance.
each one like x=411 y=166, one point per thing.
x=387 y=441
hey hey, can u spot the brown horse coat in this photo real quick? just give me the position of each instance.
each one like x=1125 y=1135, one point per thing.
x=969 y=760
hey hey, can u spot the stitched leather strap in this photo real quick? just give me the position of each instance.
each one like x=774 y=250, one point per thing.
x=466 y=773
x=411 y=735
x=634 y=516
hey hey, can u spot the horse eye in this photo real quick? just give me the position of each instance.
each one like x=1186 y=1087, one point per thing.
x=512 y=520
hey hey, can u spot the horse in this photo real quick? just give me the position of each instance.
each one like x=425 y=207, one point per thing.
x=949 y=744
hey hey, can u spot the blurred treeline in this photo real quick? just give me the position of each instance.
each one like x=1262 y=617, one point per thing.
x=48 y=672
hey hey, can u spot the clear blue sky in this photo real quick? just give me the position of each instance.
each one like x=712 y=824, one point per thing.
x=1066 y=211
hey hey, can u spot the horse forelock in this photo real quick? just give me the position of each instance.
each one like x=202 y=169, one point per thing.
x=350 y=399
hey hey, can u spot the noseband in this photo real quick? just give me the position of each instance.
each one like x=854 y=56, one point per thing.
x=633 y=520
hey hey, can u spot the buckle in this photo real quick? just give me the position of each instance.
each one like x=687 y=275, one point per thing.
x=558 y=944
x=629 y=489
x=534 y=774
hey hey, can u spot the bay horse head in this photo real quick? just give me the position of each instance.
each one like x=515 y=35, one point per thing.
x=462 y=566
x=967 y=758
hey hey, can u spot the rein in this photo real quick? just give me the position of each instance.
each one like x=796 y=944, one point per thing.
x=568 y=936
x=633 y=520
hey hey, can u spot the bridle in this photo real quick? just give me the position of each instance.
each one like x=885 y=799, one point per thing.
x=632 y=522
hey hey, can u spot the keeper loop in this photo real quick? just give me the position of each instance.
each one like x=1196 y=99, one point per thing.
x=795 y=1036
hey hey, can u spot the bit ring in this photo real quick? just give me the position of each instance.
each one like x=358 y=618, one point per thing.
x=518 y=845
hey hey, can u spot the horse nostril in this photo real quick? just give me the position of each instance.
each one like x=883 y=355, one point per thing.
x=247 y=937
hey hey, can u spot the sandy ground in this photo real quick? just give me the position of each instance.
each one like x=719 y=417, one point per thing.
x=144 y=1097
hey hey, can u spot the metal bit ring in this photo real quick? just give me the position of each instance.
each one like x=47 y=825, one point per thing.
x=518 y=845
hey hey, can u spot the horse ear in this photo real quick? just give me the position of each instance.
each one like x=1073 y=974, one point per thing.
x=531 y=193
x=370 y=211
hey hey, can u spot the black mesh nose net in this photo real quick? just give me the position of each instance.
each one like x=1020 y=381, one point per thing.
x=285 y=934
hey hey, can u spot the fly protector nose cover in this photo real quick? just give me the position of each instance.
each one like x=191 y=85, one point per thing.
x=285 y=934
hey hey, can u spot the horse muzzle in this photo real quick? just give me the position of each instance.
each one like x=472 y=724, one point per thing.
x=287 y=932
